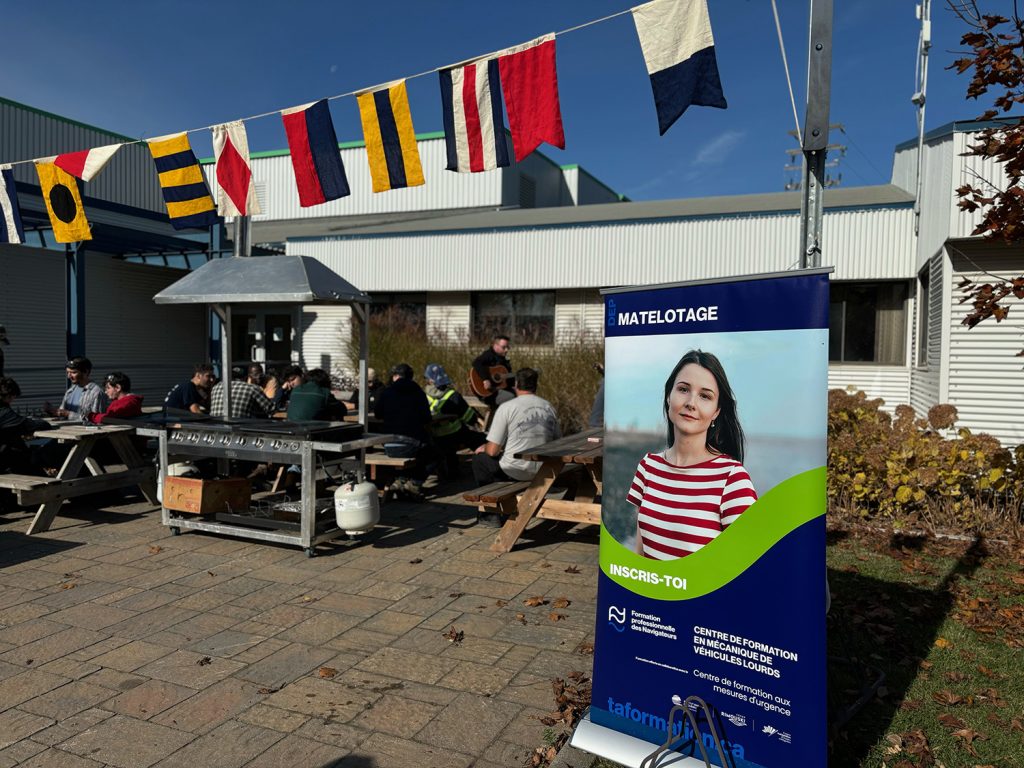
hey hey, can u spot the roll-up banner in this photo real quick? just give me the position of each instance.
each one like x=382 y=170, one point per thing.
x=712 y=558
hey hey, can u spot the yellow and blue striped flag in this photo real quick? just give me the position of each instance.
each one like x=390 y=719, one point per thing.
x=188 y=199
x=390 y=138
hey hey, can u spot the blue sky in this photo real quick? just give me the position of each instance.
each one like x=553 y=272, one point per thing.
x=147 y=69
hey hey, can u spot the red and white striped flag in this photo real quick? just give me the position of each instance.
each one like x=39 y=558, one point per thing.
x=473 y=129
x=236 y=193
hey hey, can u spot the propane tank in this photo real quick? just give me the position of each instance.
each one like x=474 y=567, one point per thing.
x=356 y=507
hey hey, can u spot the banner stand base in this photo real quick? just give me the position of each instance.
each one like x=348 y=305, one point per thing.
x=621 y=748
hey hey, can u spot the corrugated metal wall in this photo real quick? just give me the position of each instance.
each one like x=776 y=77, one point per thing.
x=579 y=315
x=978 y=172
x=889 y=382
x=936 y=198
x=926 y=381
x=986 y=379
x=155 y=344
x=326 y=335
x=863 y=245
x=129 y=178
x=448 y=316
x=35 y=322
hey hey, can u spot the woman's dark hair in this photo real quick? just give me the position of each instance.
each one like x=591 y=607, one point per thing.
x=320 y=377
x=726 y=434
x=9 y=388
x=118 y=379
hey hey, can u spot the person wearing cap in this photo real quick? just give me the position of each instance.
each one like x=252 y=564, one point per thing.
x=83 y=398
x=123 y=404
x=403 y=408
x=451 y=418
x=3 y=342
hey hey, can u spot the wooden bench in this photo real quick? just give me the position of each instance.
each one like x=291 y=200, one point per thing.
x=384 y=468
x=503 y=495
x=31 y=490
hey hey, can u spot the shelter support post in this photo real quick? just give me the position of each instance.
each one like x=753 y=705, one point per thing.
x=223 y=311
x=362 y=311
x=243 y=243
x=74 y=260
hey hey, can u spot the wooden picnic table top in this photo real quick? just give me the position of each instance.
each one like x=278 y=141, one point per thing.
x=586 y=447
x=76 y=430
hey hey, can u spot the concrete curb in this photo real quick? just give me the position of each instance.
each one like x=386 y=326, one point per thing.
x=570 y=757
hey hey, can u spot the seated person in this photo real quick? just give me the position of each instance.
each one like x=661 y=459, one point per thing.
x=291 y=377
x=451 y=416
x=15 y=456
x=192 y=395
x=247 y=400
x=373 y=388
x=83 y=398
x=404 y=411
x=312 y=399
x=265 y=381
x=519 y=424
x=123 y=404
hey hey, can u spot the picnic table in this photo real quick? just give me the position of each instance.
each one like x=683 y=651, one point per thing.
x=584 y=451
x=50 y=492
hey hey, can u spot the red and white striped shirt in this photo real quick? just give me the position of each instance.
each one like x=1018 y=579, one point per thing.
x=681 y=509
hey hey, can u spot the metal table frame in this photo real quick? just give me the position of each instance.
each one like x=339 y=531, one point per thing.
x=305 y=457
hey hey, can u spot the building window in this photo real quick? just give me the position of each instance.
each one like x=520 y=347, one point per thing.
x=525 y=317
x=867 y=323
x=923 y=318
x=400 y=312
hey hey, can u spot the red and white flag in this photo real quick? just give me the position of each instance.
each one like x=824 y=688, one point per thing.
x=236 y=193
x=85 y=164
x=530 y=84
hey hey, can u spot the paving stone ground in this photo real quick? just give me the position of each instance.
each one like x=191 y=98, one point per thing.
x=122 y=645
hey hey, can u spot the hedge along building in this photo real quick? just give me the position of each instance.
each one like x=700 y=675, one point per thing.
x=58 y=301
x=527 y=249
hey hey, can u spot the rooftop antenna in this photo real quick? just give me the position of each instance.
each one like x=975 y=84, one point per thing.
x=924 y=43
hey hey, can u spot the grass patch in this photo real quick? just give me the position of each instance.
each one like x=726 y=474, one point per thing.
x=944 y=620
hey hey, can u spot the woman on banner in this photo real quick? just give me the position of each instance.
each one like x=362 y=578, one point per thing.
x=690 y=492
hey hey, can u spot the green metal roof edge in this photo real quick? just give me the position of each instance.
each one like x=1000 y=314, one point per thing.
x=429 y=135
x=62 y=119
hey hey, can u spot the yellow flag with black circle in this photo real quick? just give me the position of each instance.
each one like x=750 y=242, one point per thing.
x=63 y=203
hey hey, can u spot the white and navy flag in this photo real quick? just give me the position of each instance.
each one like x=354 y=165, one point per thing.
x=473 y=129
x=11 y=230
x=679 y=51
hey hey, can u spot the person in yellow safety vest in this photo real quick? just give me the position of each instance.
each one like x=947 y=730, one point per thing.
x=452 y=417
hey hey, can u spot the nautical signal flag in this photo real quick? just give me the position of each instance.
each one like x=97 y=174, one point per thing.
x=63 y=203
x=473 y=129
x=188 y=200
x=87 y=163
x=390 y=138
x=316 y=159
x=236 y=194
x=530 y=84
x=11 y=230
x=679 y=51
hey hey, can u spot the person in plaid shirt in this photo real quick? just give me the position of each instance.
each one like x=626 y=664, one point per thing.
x=247 y=400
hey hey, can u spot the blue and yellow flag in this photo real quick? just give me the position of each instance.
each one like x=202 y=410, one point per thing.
x=188 y=199
x=390 y=138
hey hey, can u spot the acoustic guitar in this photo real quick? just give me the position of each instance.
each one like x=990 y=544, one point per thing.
x=499 y=378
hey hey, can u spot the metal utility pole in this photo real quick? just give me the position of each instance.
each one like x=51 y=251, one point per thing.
x=815 y=133
x=837 y=151
x=243 y=242
x=924 y=43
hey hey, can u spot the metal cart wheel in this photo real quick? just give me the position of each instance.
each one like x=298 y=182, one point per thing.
x=310 y=552
x=175 y=530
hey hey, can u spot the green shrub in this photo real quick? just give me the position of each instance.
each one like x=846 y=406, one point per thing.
x=568 y=378
x=905 y=470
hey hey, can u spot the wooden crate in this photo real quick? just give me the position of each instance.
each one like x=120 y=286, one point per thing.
x=206 y=497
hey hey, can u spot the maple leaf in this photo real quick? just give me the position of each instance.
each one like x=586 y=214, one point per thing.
x=585 y=648
x=943 y=643
x=326 y=672
x=154 y=549
x=968 y=736
x=572 y=569
x=951 y=721
x=947 y=698
x=501 y=603
x=561 y=603
x=534 y=601
x=556 y=616
x=454 y=635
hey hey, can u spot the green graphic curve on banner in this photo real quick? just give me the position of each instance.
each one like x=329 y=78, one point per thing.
x=783 y=509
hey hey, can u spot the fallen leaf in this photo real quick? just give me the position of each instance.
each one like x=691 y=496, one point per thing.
x=951 y=721
x=956 y=677
x=521 y=618
x=1016 y=724
x=572 y=569
x=941 y=642
x=561 y=602
x=307 y=599
x=534 y=601
x=501 y=603
x=454 y=635
x=456 y=594
x=947 y=698
x=154 y=549
x=548 y=721
x=327 y=672
x=210 y=573
x=925 y=665
x=206 y=660
x=986 y=671
x=545 y=565
x=416 y=561
x=266 y=691
x=585 y=648
x=550 y=754
x=968 y=736
x=556 y=616
x=910 y=705
x=69 y=585
x=894 y=744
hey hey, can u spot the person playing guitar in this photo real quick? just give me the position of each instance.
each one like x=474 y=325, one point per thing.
x=491 y=373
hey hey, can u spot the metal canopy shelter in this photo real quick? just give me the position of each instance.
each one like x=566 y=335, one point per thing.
x=293 y=280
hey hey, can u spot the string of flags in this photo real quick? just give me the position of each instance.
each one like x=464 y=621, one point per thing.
x=678 y=48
